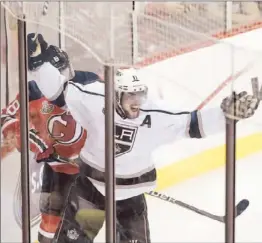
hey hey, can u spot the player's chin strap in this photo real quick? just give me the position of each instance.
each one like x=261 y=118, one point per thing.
x=120 y=111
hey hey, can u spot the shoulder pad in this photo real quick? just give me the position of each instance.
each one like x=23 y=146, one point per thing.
x=84 y=78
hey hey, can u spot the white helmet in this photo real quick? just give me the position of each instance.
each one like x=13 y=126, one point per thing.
x=129 y=81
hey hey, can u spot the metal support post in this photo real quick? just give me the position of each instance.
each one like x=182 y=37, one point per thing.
x=1 y=49
x=7 y=49
x=110 y=155
x=61 y=23
x=134 y=33
x=228 y=15
x=230 y=169
x=230 y=180
x=23 y=91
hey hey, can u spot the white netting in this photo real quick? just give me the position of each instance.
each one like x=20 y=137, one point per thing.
x=97 y=33
x=207 y=18
x=90 y=28
x=109 y=29
x=113 y=33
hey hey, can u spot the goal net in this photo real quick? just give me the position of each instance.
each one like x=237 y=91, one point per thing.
x=191 y=54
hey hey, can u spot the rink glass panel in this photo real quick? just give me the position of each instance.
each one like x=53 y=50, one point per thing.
x=190 y=170
x=10 y=161
x=10 y=166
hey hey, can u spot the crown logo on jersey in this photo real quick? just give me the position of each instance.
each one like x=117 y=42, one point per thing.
x=47 y=108
x=125 y=136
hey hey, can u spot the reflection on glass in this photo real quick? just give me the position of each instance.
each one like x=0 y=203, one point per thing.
x=170 y=119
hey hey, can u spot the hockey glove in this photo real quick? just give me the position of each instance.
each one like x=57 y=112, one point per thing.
x=49 y=155
x=39 y=52
x=239 y=106
x=58 y=58
x=35 y=46
x=46 y=155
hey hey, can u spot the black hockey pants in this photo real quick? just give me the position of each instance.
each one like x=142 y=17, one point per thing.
x=84 y=216
x=54 y=192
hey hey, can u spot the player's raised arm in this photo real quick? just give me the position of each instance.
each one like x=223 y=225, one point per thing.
x=58 y=82
x=170 y=126
x=49 y=66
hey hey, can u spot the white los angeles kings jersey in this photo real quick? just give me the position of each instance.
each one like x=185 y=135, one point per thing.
x=135 y=139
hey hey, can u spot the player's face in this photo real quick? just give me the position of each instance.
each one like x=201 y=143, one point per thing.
x=131 y=103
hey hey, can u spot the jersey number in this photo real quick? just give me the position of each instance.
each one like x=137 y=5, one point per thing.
x=64 y=129
x=13 y=108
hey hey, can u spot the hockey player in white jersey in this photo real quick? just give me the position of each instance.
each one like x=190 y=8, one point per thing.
x=140 y=128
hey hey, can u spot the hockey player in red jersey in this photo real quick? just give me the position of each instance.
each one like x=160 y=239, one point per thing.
x=53 y=132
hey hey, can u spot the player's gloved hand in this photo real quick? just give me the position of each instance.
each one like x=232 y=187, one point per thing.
x=239 y=106
x=46 y=155
x=57 y=57
x=49 y=155
x=36 y=46
x=39 y=52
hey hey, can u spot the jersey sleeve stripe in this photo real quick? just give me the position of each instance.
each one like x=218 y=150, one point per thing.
x=167 y=112
x=35 y=139
x=78 y=86
x=7 y=122
x=194 y=127
x=84 y=77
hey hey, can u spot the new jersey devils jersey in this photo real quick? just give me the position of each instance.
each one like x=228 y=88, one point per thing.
x=49 y=126
x=55 y=126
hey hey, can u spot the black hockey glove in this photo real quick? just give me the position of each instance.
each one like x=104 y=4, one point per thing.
x=39 y=52
x=239 y=106
x=35 y=48
x=50 y=156
x=57 y=57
